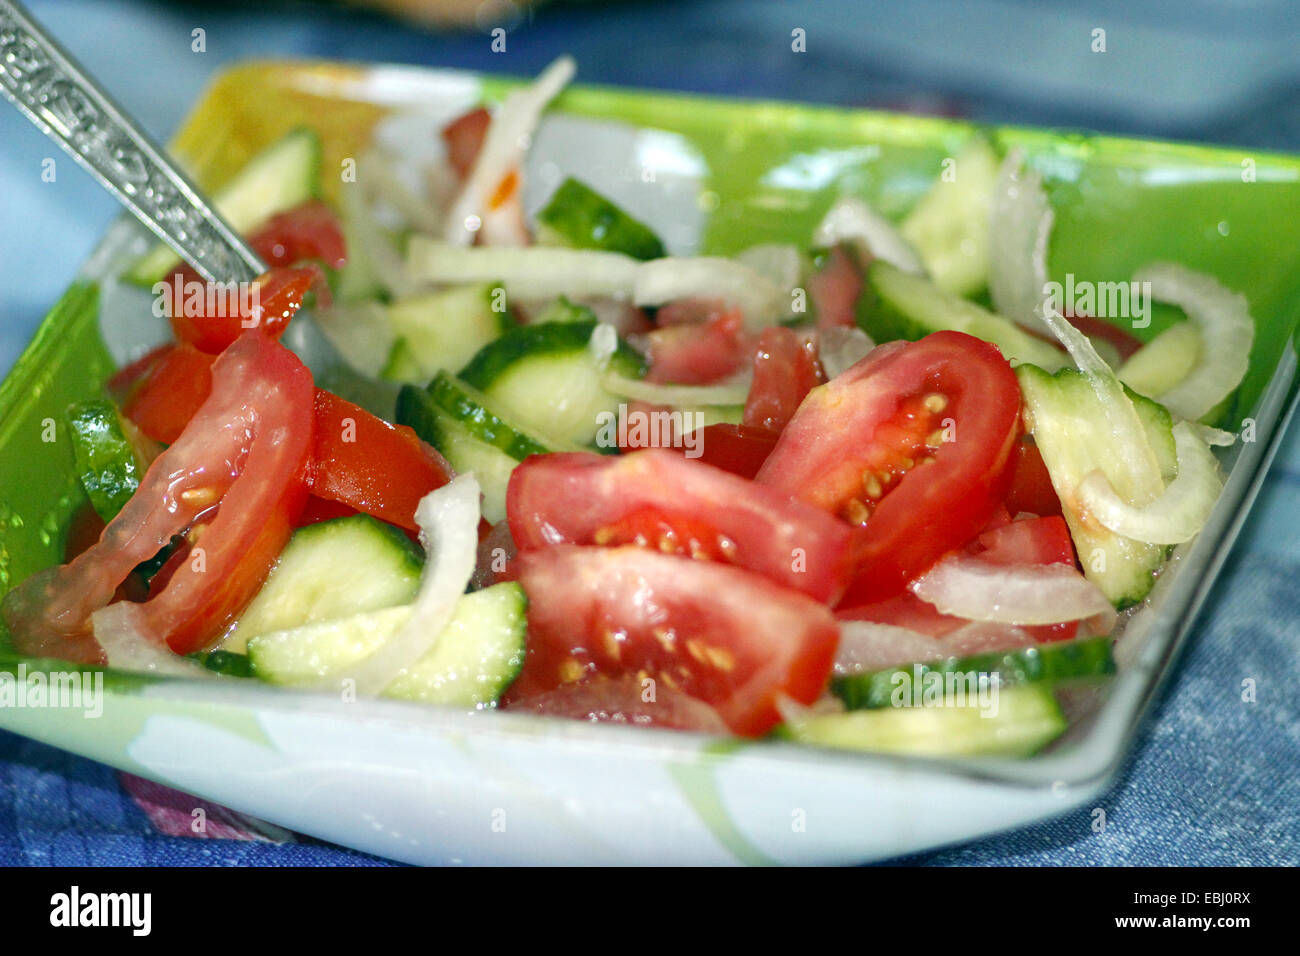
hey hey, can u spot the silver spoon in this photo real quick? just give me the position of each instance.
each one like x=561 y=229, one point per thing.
x=71 y=108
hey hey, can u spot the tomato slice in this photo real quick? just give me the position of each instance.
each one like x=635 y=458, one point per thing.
x=786 y=369
x=835 y=289
x=914 y=442
x=714 y=632
x=464 y=138
x=212 y=327
x=246 y=451
x=1031 y=484
x=904 y=610
x=661 y=500
x=307 y=232
x=734 y=448
x=364 y=463
x=699 y=354
x=161 y=392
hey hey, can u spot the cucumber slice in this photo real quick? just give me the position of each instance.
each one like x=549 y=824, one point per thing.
x=1063 y=660
x=444 y=330
x=579 y=217
x=474 y=661
x=1163 y=362
x=949 y=226
x=332 y=570
x=225 y=662
x=1027 y=719
x=545 y=376
x=562 y=310
x=1069 y=426
x=110 y=455
x=459 y=422
x=280 y=177
x=898 y=305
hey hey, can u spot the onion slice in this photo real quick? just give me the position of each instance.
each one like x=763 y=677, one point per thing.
x=129 y=650
x=841 y=347
x=761 y=300
x=686 y=396
x=1223 y=318
x=852 y=221
x=532 y=272
x=1027 y=595
x=1174 y=517
x=508 y=137
x=448 y=519
x=1020 y=228
x=866 y=646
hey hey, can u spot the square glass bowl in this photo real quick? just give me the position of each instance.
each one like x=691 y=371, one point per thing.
x=431 y=786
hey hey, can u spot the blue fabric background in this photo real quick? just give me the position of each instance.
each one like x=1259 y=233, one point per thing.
x=1213 y=780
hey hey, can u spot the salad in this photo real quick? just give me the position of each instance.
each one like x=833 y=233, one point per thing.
x=888 y=490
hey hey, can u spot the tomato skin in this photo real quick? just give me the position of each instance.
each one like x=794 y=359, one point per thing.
x=622 y=701
x=247 y=449
x=280 y=295
x=464 y=138
x=835 y=289
x=161 y=392
x=309 y=231
x=364 y=463
x=699 y=354
x=873 y=417
x=716 y=633
x=786 y=369
x=675 y=505
x=734 y=448
x=1031 y=484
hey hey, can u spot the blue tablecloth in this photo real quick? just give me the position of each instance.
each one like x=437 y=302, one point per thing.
x=1214 y=779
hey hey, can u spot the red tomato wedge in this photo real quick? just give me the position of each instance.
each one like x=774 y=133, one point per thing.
x=246 y=450
x=914 y=442
x=363 y=462
x=161 y=392
x=661 y=500
x=212 y=326
x=1031 y=484
x=699 y=354
x=307 y=232
x=717 y=633
x=786 y=369
x=464 y=138
x=835 y=289
x=734 y=448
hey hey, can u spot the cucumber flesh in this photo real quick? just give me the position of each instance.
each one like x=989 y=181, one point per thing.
x=1063 y=660
x=463 y=425
x=544 y=376
x=280 y=177
x=474 y=660
x=1024 y=720
x=1070 y=428
x=949 y=226
x=332 y=570
x=898 y=305
x=1163 y=362
x=110 y=455
x=465 y=453
x=444 y=330
x=579 y=217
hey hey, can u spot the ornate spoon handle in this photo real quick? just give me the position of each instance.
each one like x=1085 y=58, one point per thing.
x=56 y=94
